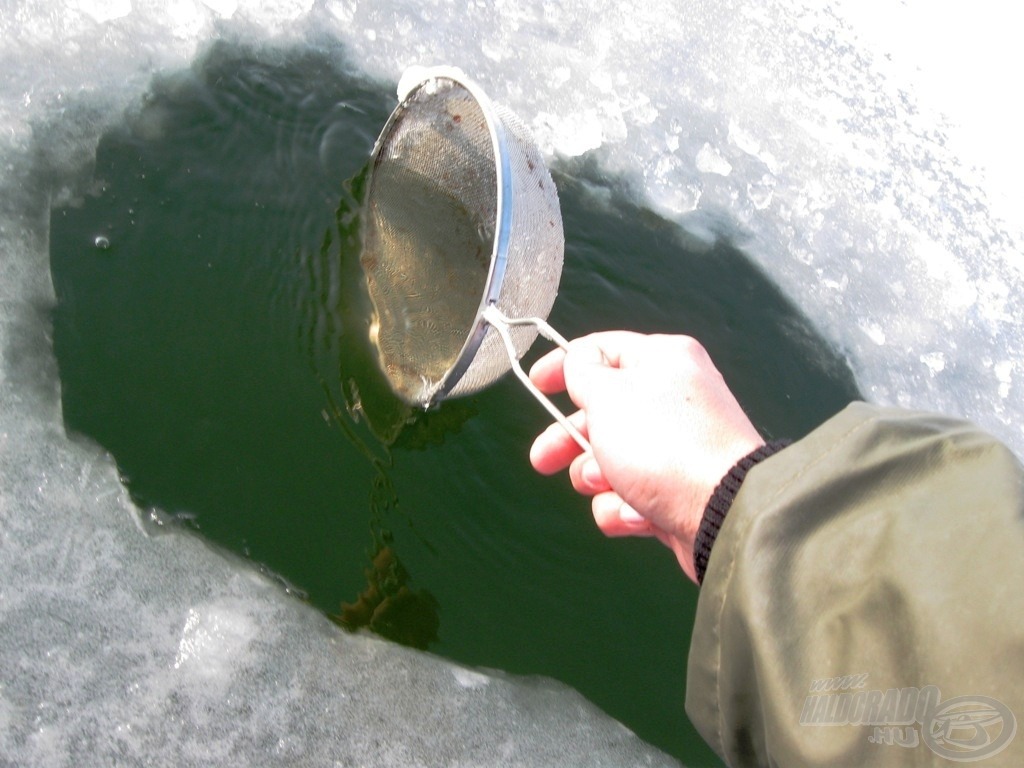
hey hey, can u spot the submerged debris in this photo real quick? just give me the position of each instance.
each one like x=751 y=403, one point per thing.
x=389 y=607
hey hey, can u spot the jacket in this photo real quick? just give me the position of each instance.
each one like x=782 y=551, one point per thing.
x=863 y=602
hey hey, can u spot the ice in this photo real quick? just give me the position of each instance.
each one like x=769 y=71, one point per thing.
x=103 y=10
x=124 y=645
x=868 y=170
x=710 y=161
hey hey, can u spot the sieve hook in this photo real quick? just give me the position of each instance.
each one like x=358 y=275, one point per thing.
x=500 y=322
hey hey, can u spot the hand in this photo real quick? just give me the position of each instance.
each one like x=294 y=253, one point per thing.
x=663 y=426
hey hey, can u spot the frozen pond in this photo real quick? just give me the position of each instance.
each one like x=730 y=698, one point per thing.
x=879 y=209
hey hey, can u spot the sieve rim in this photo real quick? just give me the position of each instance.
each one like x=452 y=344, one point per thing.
x=413 y=81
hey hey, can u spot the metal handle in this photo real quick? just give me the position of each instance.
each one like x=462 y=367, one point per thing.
x=501 y=323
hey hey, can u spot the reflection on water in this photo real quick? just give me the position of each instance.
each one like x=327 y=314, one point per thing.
x=389 y=606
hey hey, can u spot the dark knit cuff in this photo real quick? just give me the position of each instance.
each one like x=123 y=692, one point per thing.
x=721 y=500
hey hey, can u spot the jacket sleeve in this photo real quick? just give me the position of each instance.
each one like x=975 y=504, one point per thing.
x=863 y=603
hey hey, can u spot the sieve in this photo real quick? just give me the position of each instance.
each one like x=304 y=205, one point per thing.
x=462 y=243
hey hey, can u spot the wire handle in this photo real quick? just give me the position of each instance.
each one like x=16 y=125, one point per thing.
x=501 y=323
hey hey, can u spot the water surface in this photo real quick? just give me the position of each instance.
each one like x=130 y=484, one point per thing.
x=212 y=332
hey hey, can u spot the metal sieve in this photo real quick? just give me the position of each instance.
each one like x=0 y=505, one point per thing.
x=462 y=242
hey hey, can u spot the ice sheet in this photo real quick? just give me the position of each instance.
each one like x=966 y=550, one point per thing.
x=851 y=178
x=122 y=643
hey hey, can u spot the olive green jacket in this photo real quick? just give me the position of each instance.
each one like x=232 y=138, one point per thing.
x=864 y=601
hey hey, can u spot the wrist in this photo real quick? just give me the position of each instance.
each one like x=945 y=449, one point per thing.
x=720 y=503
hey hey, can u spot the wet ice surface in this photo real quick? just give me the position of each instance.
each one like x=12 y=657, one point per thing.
x=772 y=123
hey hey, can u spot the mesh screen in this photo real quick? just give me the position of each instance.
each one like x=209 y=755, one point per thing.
x=535 y=253
x=429 y=235
x=429 y=232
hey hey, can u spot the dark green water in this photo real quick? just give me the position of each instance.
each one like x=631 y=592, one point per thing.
x=211 y=334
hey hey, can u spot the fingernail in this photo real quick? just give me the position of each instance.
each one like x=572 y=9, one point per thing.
x=592 y=474
x=629 y=515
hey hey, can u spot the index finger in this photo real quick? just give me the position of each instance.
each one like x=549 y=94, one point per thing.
x=547 y=373
x=610 y=348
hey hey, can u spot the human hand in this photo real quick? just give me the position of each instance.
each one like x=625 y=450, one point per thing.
x=663 y=426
